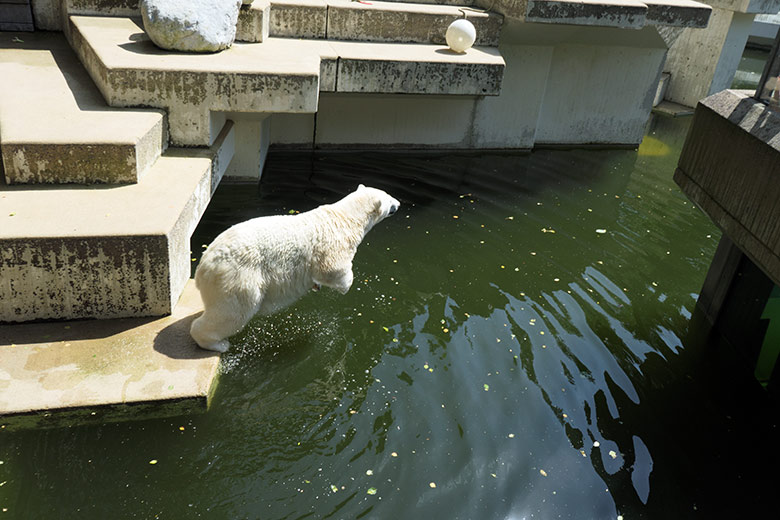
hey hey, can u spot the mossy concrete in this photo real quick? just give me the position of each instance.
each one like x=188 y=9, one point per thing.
x=77 y=372
x=106 y=251
x=56 y=127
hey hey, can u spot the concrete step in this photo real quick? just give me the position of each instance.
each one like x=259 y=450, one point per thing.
x=398 y=22
x=130 y=70
x=281 y=75
x=56 y=127
x=95 y=371
x=106 y=251
x=624 y=14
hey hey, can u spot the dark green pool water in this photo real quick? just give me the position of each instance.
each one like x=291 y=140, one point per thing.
x=516 y=345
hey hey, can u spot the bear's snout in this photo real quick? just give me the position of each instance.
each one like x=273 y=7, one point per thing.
x=393 y=209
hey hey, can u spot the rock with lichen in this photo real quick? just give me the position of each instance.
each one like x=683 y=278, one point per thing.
x=191 y=25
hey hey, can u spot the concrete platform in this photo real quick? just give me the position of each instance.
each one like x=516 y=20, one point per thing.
x=130 y=70
x=624 y=14
x=106 y=251
x=397 y=22
x=281 y=75
x=77 y=372
x=56 y=127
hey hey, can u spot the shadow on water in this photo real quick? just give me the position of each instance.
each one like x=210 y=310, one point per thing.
x=515 y=345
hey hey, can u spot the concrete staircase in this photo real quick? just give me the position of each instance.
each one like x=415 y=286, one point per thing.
x=111 y=149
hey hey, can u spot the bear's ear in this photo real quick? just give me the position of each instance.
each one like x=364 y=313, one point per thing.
x=361 y=187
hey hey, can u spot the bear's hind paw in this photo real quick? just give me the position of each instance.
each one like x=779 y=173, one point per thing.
x=219 y=346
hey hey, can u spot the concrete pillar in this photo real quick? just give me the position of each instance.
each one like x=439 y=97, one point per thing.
x=253 y=133
x=703 y=61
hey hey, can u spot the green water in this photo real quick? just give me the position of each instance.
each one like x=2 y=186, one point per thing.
x=515 y=345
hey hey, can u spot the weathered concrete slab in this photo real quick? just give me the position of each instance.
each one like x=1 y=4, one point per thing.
x=77 y=372
x=730 y=168
x=406 y=22
x=299 y=18
x=130 y=70
x=106 y=252
x=678 y=13
x=389 y=68
x=624 y=14
x=253 y=21
x=56 y=127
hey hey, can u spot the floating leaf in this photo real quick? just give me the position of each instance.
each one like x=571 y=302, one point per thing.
x=153 y=461
x=601 y=231
x=432 y=485
x=334 y=488
x=369 y=472
x=486 y=387
x=543 y=472
x=371 y=491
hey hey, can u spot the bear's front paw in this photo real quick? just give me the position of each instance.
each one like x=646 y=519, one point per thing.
x=219 y=346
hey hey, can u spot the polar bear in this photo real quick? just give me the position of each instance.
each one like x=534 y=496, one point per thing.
x=267 y=263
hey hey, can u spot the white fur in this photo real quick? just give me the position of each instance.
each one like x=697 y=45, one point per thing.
x=265 y=264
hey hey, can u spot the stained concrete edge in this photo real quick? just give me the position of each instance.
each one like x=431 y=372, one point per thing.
x=65 y=373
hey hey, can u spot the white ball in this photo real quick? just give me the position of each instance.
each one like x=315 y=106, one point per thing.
x=461 y=35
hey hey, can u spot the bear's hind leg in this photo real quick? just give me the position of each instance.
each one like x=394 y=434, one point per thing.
x=217 y=323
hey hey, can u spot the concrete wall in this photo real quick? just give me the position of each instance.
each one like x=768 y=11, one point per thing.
x=704 y=61
x=562 y=85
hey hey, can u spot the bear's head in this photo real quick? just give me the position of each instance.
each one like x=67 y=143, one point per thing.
x=382 y=205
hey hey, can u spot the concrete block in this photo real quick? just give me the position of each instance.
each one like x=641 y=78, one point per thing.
x=98 y=371
x=677 y=13
x=299 y=18
x=390 y=68
x=99 y=259
x=590 y=98
x=729 y=167
x=625 y=14
x=253 y=22
x=130 y=71
x=391 y=22
x=56 y=127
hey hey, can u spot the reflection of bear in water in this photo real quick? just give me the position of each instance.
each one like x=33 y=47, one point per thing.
x=267 y=263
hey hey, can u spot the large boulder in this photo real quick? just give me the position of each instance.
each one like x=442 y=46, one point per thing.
x=191 y=25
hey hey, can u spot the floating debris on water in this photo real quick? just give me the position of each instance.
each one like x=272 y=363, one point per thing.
x=371 y=491
x=543 y=472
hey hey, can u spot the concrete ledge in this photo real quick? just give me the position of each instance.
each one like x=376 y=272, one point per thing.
x=253 y=21
x=625 y=14
x=130 y=70
x=114 y=251
x=730 y=168
x=81 y=372
x=56 y=127
x=299 y=19
x=389 y=68
x=406 y=22
x=678 y=13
